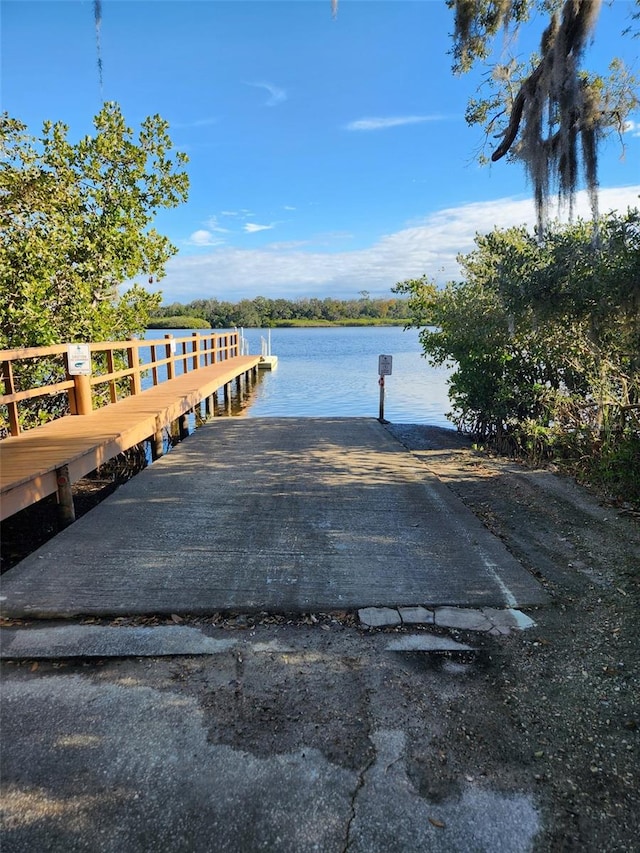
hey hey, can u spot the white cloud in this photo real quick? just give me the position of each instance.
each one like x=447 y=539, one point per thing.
x=632 y=127
x=199 y=122
x=426 y=247
x=329 y=238
x=243 y=213
x=276 y=95
x=203 y=237
x=253 y=227
x=212 y=225
x=286 y=245
x=288 y=207
x=383 y=123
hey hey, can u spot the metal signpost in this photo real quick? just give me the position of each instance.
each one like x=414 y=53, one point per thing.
x=384 y=369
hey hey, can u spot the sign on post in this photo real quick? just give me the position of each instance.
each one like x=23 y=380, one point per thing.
x=384 y=365
x=384 y=369
x=79 y=359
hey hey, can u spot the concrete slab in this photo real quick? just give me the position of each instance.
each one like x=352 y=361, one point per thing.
x=279 y=514
x=506 y=620
x=416 y=615
x=379 y=617
x=71 y=641
x=463 y=618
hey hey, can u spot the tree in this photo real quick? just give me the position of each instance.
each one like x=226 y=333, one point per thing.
x=545 y=343
x=548 y=112
x=75 y=225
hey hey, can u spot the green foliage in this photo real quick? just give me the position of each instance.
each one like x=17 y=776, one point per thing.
x=421 y=299
x=545 y=341
x=75 y=225
x=180 y=322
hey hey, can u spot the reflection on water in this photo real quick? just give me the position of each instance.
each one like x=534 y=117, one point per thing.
x=329 y=372
x=334 y=372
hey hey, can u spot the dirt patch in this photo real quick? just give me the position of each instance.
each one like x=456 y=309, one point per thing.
x=568 y=692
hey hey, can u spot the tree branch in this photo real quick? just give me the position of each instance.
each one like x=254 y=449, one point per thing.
x=517 y=109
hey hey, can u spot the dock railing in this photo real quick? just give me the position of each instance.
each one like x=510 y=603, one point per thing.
x=117 y=369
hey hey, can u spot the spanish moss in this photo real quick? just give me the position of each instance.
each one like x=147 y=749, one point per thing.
x=97 y=14
x=556 y=116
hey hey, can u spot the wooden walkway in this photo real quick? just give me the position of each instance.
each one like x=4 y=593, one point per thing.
x=31 y=463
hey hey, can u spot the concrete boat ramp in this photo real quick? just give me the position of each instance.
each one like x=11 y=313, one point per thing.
x=280 y=515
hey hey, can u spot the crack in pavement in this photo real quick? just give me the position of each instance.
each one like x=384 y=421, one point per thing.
x=360 y=782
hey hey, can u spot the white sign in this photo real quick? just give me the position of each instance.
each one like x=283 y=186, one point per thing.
x=79 y=359
x=384 y=365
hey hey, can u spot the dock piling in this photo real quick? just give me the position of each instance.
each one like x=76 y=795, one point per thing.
x=157 y=442
x=183 y=426
x=66 y=508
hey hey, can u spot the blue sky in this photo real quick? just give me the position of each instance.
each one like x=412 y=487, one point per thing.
x=327 y=156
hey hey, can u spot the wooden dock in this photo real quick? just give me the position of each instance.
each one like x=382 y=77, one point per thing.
x=50 y=458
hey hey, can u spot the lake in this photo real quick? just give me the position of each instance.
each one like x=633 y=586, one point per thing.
x=333 y=372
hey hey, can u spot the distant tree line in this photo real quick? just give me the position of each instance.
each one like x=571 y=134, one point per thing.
x=262 y=312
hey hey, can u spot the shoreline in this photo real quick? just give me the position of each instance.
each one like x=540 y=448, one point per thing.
x=293 y=324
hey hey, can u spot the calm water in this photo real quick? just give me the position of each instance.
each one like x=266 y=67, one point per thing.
x=334 y=372
x=328 y=372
